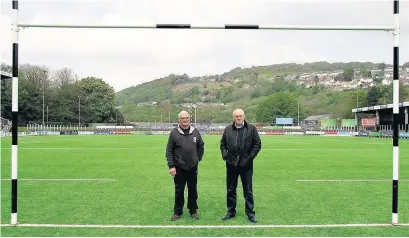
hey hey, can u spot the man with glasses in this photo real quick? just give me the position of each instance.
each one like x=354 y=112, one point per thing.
x=239 y=146
x=184 y=151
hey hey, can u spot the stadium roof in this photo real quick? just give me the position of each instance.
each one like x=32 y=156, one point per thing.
x=5 y=75
x=319 y=117
x=377 y=107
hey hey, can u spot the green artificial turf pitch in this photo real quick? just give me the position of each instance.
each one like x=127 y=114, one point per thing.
x=136 y=188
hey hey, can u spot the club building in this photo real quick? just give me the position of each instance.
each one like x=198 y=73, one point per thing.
x=5 y=75
x=379 y=119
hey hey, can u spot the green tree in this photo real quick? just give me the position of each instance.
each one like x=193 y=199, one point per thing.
x=278 y=84
x=387 y=94
x=369 y=74
x=374 y=94
x=343 y=108
x=165 y=107
x=255 y=93
x=227 y=98
x=316 y=80
x=281 y=104
x=195 y=90
x=119 y=118
x=315 y=89
x=348 y=74
x=363 y=71
x=64 y=105
x=97 y=99
x=177 y=98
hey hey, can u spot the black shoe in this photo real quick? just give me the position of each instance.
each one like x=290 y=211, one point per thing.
x=228 y=216
x=175 y=217
x=194 y=216
x=252 y=219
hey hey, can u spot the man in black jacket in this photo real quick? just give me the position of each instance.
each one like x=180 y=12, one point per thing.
x=184 y=151
x=239 y=146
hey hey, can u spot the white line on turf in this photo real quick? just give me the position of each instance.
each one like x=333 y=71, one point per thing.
x=203 y=226
x=68 y=180
x=348 y=180
x=133 y=148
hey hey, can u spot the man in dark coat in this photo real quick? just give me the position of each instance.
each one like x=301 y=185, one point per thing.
x=239 y=146
x=184 y=151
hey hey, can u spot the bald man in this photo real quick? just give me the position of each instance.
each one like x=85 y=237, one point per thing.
x=184 y=151
x=239 y=146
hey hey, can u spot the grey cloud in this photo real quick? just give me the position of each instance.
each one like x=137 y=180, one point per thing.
x=213 y=52
x=31 y=8
x=141 y=58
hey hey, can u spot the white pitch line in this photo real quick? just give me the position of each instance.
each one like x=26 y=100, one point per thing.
x=204 y=226
x=349 y=180
x=133 y=148
x=69 y=180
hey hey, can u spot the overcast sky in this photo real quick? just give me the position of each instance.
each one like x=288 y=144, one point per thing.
x=124 y=58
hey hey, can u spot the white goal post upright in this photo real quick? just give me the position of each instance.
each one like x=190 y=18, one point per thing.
x=395 y=114
x=395 y=28
x=14 y=115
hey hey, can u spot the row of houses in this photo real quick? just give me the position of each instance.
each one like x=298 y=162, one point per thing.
x=334 y=78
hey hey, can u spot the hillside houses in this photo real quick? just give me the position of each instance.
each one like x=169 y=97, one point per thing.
x=335 y=78
x=403 y=76
x=147 y=104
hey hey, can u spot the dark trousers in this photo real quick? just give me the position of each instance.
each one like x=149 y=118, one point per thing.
x=246 y=175
x=181 y=178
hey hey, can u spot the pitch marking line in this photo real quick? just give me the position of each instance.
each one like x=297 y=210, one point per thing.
x=201 y=226
x=63 y=180
x=349 y=180
x=163 y=149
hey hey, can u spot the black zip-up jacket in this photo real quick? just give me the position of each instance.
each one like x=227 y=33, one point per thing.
x=184 y=151
x=240 y=155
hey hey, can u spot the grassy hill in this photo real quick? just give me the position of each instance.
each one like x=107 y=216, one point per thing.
x=240 y=87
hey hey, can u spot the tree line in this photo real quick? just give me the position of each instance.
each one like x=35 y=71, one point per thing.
x=68 y=99
x=60 y=96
